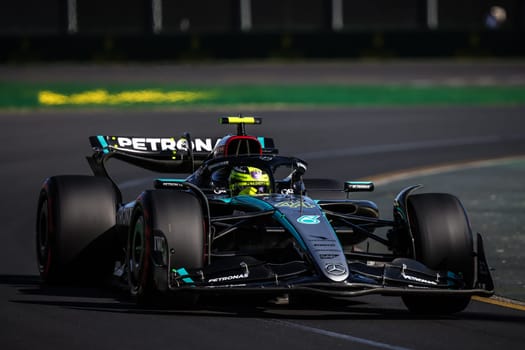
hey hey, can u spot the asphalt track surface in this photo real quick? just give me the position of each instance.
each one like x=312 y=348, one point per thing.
x=430 y=72
x=338 y=143
x=343 y=144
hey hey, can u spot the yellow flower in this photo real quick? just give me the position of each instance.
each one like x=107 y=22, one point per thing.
x=103 y=97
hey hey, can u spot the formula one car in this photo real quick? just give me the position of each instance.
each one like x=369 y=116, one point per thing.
x=242 y=221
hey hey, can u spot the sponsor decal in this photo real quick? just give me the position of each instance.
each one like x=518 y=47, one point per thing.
x=416 y=279
x=219 y=190
x=328 y=256
x=321 y=238
x=287 y=191
x=228 y=278
x=309 y=219
x=335 y=269
x=243 y=275
x=356 y=186
x=359 y=187
x=124 y=216
x=156 y=144
x=295 y=204
x=172 y=184
x=159 y=244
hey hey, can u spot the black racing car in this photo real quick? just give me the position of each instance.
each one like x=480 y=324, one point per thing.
x=242 y=221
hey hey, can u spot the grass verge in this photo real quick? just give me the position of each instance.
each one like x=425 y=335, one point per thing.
x=23 y=95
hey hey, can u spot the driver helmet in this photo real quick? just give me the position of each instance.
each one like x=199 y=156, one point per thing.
x=248 y=180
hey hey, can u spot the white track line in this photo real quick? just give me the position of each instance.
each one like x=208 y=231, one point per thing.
x=337 y=335
x=387 y=178
x=407 y=146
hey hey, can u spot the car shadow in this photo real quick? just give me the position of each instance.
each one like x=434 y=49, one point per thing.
x=30 y=291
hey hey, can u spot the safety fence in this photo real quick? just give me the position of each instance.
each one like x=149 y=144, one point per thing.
x=188 y=29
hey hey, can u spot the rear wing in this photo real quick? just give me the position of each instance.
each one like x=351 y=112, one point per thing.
x=162 y=148
x=160 y=154
x=170 y=154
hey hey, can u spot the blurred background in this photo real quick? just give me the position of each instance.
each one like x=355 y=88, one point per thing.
x=35 y=30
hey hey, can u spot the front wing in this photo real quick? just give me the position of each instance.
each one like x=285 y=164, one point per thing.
x=396 y=278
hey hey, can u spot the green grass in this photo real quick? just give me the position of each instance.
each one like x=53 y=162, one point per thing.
x=22 y=95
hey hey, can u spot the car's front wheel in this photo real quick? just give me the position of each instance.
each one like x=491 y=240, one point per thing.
x=166 y=235
x=443 y=241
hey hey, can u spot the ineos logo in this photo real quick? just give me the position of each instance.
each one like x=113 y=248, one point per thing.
x=335 y=269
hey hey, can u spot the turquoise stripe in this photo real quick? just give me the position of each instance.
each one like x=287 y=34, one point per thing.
x=172 y=180
x=182 y=272
x=103 y=143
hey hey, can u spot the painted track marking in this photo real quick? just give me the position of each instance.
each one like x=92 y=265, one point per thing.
x=503 y=302
x=342 y=336
x=387 y=178
x=407 y=146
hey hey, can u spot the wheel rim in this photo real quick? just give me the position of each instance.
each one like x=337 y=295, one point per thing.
x=43 y=250
x=136 y=253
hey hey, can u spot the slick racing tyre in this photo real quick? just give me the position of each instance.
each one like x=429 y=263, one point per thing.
x=443 y=241
x=166 y=233
x=74 y=228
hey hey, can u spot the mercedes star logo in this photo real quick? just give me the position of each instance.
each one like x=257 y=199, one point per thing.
x=335 y=269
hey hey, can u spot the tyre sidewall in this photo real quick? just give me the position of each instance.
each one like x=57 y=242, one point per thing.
x=177 y=218
x=443 y=241
x=81 y=217
x=442 y=234
x=139 y=278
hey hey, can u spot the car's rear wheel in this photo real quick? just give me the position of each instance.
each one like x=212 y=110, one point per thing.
x=74 y=228
x=166 y=234
x=443 y=241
